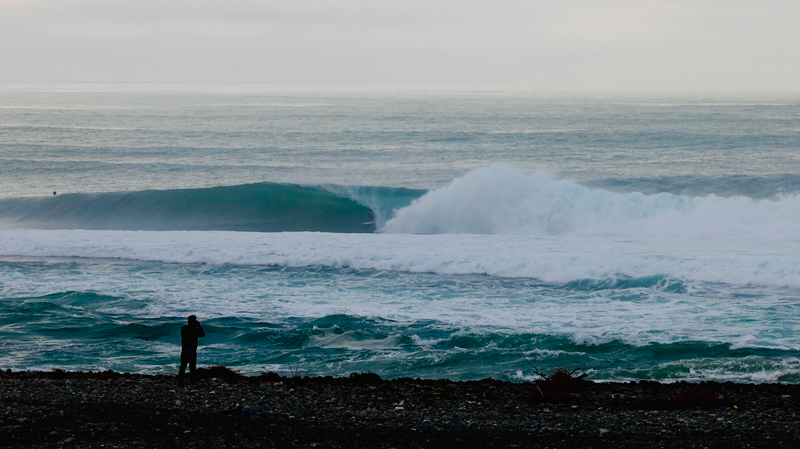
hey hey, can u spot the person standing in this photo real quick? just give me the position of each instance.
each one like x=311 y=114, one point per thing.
x=189 y=335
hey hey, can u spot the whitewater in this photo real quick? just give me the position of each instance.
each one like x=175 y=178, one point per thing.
x=459 y=235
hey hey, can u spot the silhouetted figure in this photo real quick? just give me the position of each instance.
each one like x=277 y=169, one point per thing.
x=54 y=192
x=189 y=335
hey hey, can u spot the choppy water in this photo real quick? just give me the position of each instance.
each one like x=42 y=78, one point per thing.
x=408 y=233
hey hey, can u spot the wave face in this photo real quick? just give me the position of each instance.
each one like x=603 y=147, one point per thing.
x=261 y=207
x=504 y=200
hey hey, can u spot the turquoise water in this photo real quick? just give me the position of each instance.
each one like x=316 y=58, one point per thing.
x=458 y=234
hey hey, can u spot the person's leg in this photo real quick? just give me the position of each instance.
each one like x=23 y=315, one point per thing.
x=182 y=371
x=193 y=368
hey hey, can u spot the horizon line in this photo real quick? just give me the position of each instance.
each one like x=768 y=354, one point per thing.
x=405 y=84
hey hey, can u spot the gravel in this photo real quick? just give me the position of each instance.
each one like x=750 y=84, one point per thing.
x=122 y=410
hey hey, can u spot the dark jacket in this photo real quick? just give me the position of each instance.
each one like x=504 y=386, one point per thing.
x=189 y=335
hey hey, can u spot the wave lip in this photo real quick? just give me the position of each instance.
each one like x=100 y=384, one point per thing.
x=504 y=200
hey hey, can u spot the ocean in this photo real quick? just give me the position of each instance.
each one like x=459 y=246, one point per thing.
x=457 y=233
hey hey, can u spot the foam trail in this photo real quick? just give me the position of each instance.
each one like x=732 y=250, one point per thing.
x=549 y=258
x=504 y=200
x=355 y=339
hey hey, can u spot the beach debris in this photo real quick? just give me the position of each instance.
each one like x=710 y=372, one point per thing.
x=561 y=379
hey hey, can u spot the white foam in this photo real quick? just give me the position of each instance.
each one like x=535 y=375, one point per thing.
x=356 y=339
x=539 y=353
x=504 y=200
x=744 y=369
x=419 y=341
x=550 y=258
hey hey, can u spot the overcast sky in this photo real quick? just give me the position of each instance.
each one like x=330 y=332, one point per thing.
x=556 y=42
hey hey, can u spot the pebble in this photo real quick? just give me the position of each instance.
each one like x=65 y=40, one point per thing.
x=296 y=412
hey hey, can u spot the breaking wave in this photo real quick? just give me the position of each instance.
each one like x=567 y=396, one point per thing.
x=504 y=200
x=498 y=200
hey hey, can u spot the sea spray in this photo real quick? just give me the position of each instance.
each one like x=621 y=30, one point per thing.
x=504 y=200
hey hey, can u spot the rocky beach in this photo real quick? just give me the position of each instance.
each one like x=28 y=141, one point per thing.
x=224 y=409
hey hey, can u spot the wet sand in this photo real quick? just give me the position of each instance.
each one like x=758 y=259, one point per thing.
x=109 y=409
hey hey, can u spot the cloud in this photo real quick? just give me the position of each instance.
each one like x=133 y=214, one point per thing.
x=393 y=41
x=628 y=23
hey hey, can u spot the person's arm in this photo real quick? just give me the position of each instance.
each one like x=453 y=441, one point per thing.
x=200 y=332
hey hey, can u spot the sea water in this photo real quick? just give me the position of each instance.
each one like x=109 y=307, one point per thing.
x=409 y=232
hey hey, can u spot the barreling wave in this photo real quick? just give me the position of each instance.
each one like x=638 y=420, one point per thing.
x=263 y=207
x=491 y=200
x=504 y=200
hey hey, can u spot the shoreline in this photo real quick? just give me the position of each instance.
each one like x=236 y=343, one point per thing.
x=226 y=409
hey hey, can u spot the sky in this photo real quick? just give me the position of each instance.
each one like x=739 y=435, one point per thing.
x=434 y=42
